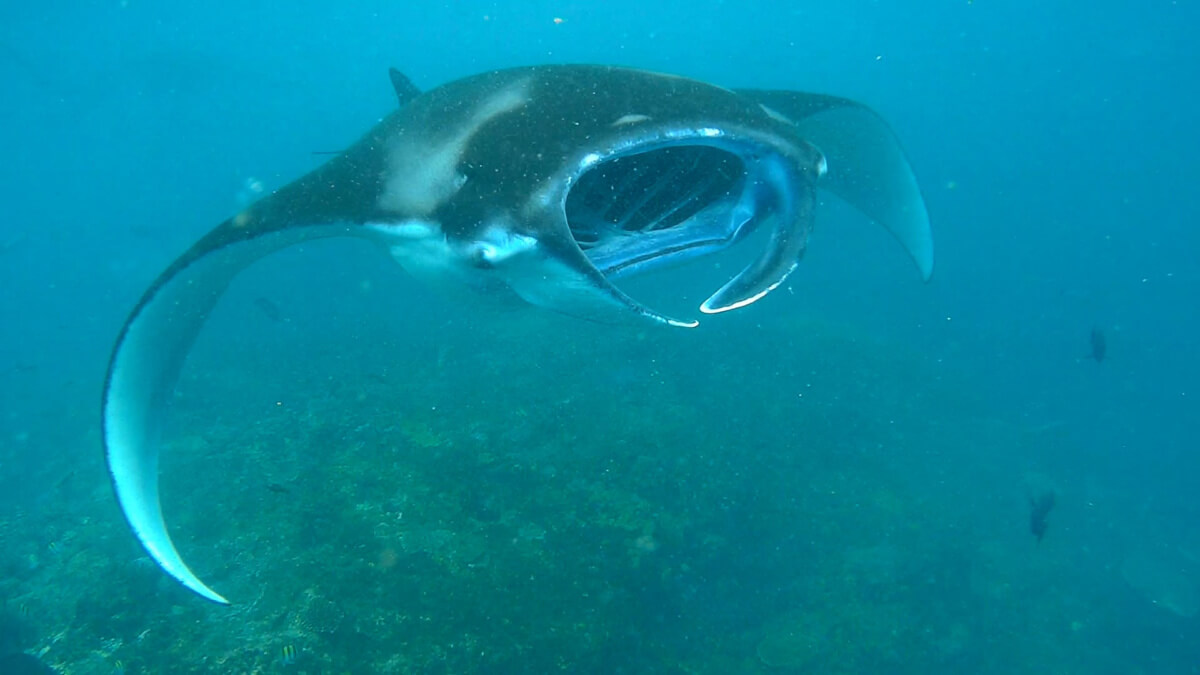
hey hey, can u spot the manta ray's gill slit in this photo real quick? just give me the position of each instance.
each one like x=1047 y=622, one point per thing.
x=650 y=191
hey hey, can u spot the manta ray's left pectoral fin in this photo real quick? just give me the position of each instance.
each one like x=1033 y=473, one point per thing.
x=146 y=363
x=866 y=166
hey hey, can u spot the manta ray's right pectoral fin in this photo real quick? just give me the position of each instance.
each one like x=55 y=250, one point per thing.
x=866 y=165
x=145 y=365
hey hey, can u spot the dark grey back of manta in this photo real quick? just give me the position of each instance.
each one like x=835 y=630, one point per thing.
x=552 y=182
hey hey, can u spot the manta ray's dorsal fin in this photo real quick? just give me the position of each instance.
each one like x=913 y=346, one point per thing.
x=405 y=89
x=866 y=165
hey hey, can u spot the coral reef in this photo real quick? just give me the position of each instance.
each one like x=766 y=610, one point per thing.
x=593 y=502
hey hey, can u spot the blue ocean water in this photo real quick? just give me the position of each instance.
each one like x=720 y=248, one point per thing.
x=385 y=478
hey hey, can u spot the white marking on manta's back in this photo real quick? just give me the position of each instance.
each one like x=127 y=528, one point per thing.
x=776 y=115
x=407 y=230
x=423 y=169
x=629 y=119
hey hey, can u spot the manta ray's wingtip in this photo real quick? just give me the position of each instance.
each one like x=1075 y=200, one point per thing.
x=908 y=216
x=145 y=518
x=204 y=591
x=923 y=254
x=210 y=594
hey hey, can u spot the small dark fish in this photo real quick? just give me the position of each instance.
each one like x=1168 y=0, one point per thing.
x=61 y=483
x=269 y=309
x=1099 y=345
x=279 y=488
x=1040 y=507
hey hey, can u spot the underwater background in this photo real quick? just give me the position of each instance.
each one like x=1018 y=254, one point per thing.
x=837 y=479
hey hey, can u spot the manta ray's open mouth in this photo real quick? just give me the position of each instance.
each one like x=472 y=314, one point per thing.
x=648 y=208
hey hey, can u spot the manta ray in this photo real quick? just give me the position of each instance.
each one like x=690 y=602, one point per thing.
x=552 y=182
